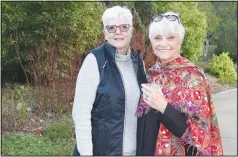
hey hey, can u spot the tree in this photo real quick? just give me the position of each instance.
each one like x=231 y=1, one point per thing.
x=146 y=10
x=129 y=5
x=13 y=16
x=212 y=23
x=47 y=36
x=227 y=29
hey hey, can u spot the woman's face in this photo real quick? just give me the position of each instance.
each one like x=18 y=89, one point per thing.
x=166 y=47
x=119 y=36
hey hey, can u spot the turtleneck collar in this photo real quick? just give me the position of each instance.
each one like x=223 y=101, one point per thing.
x=123 y=58
x=119 y=57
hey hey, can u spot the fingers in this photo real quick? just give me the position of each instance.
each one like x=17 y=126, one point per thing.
x=146 y=87
x=145 y=92
x=147 y=100
x=151 y=89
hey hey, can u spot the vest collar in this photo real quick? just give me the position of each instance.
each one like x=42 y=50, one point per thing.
x=112 y=51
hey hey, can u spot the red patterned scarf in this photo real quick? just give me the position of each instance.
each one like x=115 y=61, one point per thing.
x=185 y=87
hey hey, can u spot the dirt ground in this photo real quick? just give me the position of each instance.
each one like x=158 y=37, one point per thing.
x=216 y=87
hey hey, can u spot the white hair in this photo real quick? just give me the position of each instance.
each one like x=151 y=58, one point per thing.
x=114 y=12
x=167 y=27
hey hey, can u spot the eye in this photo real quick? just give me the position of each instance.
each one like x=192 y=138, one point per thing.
x=171 y=37
x=110 y=27
x=124 y=26
x=158 y=37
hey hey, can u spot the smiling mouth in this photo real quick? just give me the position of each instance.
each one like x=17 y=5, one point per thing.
x=165 y=49
x=119 y=39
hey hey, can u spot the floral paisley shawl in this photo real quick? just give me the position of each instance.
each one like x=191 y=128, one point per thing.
x=185 y=87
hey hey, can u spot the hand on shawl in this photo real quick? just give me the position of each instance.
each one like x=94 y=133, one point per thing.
x=154 y=98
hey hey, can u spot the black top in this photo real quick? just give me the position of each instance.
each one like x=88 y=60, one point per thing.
x=148 y=127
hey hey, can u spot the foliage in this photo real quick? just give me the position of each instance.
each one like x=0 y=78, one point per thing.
x=129 y=5
x=25 y=145
x=146 y=10
x=192 y=47
x=212 y=19
x=48 y=34
x=62 y=128
x=227 y=29
x=19 y=102
x=212 y=24
x=16 y=101
x=223 y=66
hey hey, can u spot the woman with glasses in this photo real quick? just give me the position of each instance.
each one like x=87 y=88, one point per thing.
x=176 y=114
x=108 y=91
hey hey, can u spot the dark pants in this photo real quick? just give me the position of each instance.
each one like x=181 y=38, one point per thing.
x=76 y=152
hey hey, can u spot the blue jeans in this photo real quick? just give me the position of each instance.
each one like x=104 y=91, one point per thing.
x=76 y=152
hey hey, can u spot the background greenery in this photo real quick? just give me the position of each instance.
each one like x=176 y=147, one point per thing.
x=44 y=44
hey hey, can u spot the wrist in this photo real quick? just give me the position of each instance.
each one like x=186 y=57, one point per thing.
x=163 y=107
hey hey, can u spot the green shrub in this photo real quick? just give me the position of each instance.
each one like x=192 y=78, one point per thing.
x=223 y=67
x=60 y=129
x=25 y=145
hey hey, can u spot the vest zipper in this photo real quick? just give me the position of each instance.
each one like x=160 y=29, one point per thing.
x=125 y=105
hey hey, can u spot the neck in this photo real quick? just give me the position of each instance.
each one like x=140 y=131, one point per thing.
x=123 y=50
x=170 y=59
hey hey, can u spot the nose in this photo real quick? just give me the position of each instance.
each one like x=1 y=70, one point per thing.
x=164 y=43
x=118 y=31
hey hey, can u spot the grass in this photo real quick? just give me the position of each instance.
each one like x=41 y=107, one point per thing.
x=26 y=145
x=61 y=127
x=58 y=139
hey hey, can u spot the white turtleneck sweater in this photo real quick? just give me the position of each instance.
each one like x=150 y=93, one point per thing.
x=85 y=93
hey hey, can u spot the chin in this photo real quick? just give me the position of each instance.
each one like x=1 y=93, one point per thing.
x=162 y=56
x=119 y=45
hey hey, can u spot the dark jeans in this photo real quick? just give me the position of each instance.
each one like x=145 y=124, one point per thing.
x=76 y=152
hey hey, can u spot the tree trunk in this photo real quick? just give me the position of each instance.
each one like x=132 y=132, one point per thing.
x=18 y=56
x=206 y=49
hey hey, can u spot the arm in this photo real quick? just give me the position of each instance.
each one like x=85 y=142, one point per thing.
x=174 y=120
x=147 y=132
x=85 y=93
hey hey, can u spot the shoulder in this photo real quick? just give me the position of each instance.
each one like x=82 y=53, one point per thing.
x=196 y=78
x=99 y=54
x=98 y=50
x=197 y=72
x=89 y=63
x=90 y=58
x=190 y=69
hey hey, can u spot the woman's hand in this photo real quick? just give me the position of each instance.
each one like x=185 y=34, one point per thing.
x=154 y=98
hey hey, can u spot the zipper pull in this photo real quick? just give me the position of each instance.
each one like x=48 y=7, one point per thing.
x=104 y=65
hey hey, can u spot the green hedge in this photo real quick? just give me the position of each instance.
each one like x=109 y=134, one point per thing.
x=223 y=67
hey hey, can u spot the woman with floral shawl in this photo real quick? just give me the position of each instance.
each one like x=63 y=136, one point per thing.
x=178 y=117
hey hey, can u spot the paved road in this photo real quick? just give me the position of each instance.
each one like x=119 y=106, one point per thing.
x=226 y=108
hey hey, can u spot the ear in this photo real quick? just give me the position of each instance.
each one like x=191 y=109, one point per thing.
x=181 y=42
x=131 y=31
x=105 y=34
x=132 y=28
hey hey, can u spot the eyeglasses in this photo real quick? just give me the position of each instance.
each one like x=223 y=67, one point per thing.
x=159 y=17
x=113 y=28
